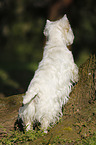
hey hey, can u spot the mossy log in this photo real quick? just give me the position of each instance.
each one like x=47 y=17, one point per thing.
x=79 y=113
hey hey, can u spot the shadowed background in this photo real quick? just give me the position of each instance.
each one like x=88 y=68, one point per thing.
x=22 y=40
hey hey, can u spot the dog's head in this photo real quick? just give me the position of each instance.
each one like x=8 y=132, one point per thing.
x=59 y=29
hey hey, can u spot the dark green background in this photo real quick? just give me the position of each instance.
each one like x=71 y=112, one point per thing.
x=21 y=39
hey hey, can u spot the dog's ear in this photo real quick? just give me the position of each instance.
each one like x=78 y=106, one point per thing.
x=48 y=22
x=45 y=31
x=64 y=18
x=65 y=22
x=68 y=35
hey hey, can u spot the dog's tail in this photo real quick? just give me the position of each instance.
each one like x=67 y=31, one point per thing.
x=29 y=97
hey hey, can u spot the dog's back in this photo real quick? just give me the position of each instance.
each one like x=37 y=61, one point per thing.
x=53 y=79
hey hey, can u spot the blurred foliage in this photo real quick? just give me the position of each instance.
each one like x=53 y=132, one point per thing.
x=83 y=14
x=22 y=40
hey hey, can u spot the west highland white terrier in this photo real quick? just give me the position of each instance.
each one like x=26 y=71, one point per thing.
x=51 y=85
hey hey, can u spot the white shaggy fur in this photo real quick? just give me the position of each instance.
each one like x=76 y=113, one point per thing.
x=51 y=84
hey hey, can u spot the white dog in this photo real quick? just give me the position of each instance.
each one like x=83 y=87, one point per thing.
x=50 y=87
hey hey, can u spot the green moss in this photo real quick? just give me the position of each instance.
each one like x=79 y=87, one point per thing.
x=68 y=128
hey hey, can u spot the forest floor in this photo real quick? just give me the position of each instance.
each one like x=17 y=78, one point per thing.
x=77 y=126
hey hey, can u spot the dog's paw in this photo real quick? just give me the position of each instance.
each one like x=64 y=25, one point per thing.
x=45 y=131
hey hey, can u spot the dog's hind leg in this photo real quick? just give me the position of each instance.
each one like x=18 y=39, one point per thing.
x=44 y=125
x=27 y=114
x=28 y=126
